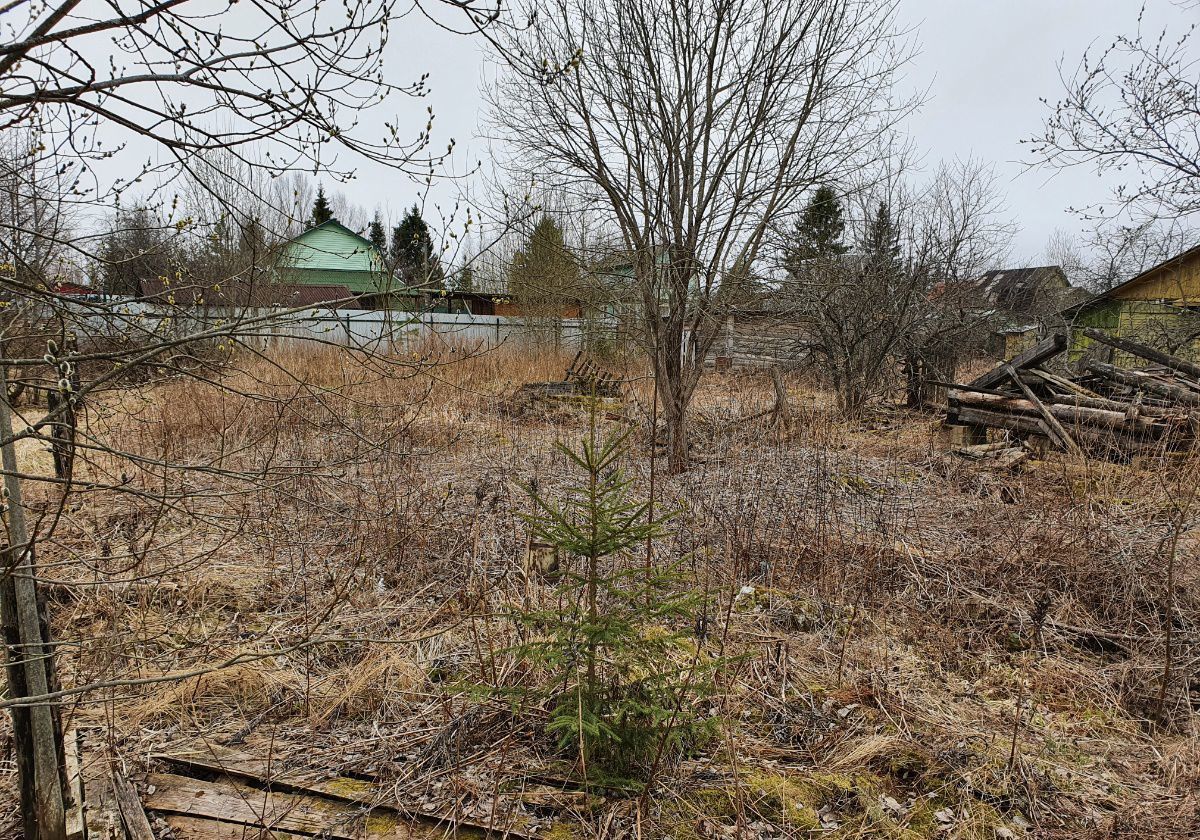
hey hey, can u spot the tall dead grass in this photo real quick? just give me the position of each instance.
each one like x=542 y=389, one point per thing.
x=377 y=501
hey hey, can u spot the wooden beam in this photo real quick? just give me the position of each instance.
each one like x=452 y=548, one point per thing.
x=75 y=793
x=1043 y=351
x=1146 y=382
x=215 y=760
x=133 y=816
x=1057 y=432
x=233 y=802
x=199 y=828
x=1149 y=353
x=1102 y=438
x=1075 y=414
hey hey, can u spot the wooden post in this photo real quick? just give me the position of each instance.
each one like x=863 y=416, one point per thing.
x=40 y=759
x=783 y=410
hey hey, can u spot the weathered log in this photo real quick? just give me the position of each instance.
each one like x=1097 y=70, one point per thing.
x=1112 y=405
x=1146 y=382
x=1149 y=353
x=1105 y=438
x=1076 y=414
x=1043 y=351
x=1060 y=435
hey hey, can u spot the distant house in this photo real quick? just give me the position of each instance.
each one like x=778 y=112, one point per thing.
x=1159 y=307
x=1023 y=302
x=1038 y=290
x=330 y=254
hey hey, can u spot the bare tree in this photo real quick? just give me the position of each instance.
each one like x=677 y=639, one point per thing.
x=698 y=123
x=905 y=293
x=1112 y=251
x=1134 y=107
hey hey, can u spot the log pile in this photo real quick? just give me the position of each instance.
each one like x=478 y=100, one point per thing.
x=1105 y=410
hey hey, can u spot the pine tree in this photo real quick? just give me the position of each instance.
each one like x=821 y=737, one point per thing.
x=544 y=276
x=321 y=211
x=377 y=234
x=881 y=244
x=411 y=254
x=621 y=673
x=819 y=230
x=465 y=282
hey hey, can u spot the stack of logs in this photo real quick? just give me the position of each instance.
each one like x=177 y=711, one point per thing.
x=1105 y=409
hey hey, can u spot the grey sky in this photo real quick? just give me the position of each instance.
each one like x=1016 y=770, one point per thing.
x=984 y=63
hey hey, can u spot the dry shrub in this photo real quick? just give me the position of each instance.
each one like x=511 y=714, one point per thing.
x=376 y=688
x=244 y=690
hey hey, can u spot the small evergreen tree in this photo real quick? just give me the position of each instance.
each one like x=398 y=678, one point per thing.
x=544 y=276
x=377 y=234
x=321 y=211
x=411 y=254
x=620 y=675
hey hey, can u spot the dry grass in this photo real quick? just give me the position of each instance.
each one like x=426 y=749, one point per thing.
x=359 y=521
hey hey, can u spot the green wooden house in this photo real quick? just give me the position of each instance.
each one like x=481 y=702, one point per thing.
x=1159 y=307
x=332 y=255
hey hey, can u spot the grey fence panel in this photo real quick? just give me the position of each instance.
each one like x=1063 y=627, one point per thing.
x=366 y=329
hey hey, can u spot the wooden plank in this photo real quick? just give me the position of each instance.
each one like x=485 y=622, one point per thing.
x=133 y=816
x=1043 y=351
x=234 y=802
x=1061 y=436
x=75 y=794
x=212 y=759
x=1149 y=353
x=198 y=828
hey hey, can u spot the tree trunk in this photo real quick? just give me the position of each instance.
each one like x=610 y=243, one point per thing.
x=674 y=408
x=37 y=730
x=914 y=374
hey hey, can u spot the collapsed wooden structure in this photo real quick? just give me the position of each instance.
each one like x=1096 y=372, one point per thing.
x=1104 y=410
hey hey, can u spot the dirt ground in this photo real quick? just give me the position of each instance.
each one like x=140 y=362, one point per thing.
x=911 y=644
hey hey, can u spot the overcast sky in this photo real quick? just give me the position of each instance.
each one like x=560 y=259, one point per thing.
x=984 y=64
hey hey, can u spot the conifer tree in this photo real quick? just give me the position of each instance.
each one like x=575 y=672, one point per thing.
x=377 y=234
x=321 y=211
x=881 y=244
x=622 y=675
x=544 y=275
x=820 y=227
x=411 y=255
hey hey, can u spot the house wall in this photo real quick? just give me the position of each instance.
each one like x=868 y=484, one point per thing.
x=1161 y=309
x=334 y=256
x=1178 y=282
x=1155 y=323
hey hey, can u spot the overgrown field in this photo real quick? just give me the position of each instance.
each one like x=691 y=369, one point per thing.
x=894 y=642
